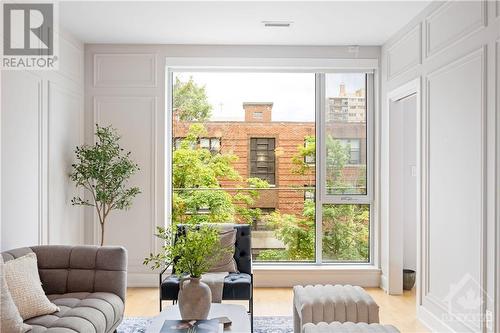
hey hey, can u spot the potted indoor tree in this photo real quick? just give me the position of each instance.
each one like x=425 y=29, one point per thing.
x=103 y=171
x=192 y=253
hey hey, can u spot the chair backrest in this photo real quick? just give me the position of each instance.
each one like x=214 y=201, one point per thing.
x=242 y=246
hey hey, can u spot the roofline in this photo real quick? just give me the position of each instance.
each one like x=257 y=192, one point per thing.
x=258 y=103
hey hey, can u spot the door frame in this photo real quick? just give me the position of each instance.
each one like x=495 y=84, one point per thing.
x=392 y=280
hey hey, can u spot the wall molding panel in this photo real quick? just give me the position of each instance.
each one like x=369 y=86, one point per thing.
x=31 y=122
x=43 y=221
x=66 y=118
x=448 y=77
x=125 y=70
x=135 y=117
x=497 y=175
x=406 y=53
x=453 y=22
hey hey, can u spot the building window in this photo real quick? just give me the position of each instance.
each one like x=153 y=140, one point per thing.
x=262 y=159
x=258 y=115
x=212 y=144
x=353 y=147
x=309 y=159
x=309 y=192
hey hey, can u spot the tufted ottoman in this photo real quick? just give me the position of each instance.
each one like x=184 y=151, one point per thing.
x=327 y=303
x=348 y=327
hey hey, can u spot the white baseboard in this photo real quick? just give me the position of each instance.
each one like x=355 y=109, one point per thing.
x=142 y=280
x=383 y=283
x=290 y=276
x=431 y=322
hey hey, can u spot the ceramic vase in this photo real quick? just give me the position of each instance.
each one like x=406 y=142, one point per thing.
x=194 y=299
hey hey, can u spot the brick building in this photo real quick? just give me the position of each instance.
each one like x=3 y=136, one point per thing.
x=265 y=149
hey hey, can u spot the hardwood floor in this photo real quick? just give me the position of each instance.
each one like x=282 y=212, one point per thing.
x=399 y=311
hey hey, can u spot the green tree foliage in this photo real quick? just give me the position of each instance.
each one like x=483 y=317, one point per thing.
x=195 y=251
x=103 y=170
x=296 y=233
x=345 y=227
x=346 y=232
x=191 y=101
x=198 y=195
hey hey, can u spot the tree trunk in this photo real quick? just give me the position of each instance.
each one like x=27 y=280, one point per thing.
x=102 y=233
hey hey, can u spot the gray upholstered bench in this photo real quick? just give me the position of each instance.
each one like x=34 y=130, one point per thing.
x=348 y=327
x=327 y=303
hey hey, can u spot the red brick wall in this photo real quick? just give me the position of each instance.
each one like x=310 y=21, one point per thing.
x=235 y=138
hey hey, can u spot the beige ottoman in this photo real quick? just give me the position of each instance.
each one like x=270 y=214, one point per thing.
x=348 y=327
x=327 y=303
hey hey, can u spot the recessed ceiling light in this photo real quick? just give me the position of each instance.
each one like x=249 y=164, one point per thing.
x=277 y=24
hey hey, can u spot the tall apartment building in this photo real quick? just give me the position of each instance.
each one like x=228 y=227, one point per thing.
x=346 y=107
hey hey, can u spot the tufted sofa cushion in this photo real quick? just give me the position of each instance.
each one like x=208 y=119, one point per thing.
x=348 y=327
x=329 y=303
x=237 y=286
x=81 y=312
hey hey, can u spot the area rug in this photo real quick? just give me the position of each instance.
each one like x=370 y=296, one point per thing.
x=261 y=325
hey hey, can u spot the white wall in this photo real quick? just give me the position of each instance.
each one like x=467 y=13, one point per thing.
x=125 y=87
x=41 y=123
x=454 y=48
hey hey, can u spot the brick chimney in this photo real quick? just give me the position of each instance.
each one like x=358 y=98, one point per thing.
x=258 y=111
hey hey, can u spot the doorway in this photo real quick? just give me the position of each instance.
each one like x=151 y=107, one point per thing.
x=403 y=187
x=403 y=181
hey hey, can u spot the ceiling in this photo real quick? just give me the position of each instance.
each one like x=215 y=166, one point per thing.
x=206 y=22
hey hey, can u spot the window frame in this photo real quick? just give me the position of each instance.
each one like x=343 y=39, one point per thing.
x=319 y=67
x=370 y=109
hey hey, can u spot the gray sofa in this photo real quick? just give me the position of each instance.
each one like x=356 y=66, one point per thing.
x=87 y=283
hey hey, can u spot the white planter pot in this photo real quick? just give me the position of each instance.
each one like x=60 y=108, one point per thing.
x=194 y=299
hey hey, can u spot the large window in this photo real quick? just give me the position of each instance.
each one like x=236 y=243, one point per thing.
x=245 y=150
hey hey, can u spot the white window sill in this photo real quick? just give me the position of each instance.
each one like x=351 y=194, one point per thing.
x=313 y=267
x=291 y=275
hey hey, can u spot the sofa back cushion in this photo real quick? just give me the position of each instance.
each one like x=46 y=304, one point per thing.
x=226 y=262
x=65 y=269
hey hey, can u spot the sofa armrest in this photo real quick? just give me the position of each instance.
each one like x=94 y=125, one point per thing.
x=111 y=270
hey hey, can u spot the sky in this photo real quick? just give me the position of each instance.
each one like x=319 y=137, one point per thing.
x=293 y=94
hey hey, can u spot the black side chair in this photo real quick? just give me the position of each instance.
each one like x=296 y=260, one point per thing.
x=237 y=286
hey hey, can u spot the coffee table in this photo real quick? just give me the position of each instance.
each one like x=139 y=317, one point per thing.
x=236 y=313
